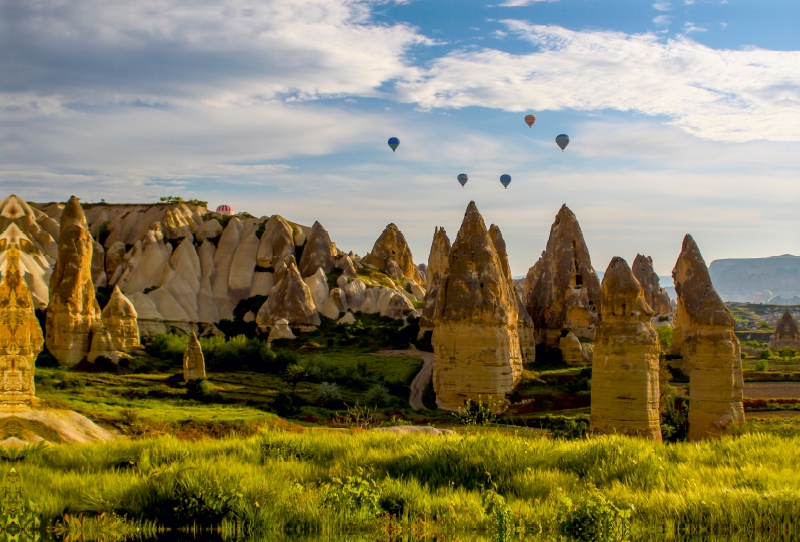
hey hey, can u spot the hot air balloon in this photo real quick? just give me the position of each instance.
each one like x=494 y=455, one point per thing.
x=562 y=141
x=505 y=179
x=394 y=143
x=225 y=209
x=529 y=120
x=462 y=178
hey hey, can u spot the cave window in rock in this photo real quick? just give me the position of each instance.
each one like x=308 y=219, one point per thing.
x=578 y=280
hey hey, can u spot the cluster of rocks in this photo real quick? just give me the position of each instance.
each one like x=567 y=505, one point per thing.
x=786 y=333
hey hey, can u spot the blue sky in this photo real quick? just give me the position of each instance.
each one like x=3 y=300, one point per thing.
x=684 y=117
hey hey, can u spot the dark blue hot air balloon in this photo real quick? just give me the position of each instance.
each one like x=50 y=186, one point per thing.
x=462 y=178
x=394 y=143
x=505 y=179
x=562 y=141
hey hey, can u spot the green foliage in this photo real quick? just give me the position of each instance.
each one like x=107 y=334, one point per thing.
x=571 y=429
x=665 y=337
x=150 y=289
x=594 y=518
x=752 y=344
x=239 y=353
x=178 y=199
x=675 y=421
x=352 y=494
x=786 y=352
x=102 y=233
x=767 y=354
x=762 y=365
x=283 y=404
x=168 y=347
x=294 y=374
x=499 y=513
x=763 y=325
x=377 y=395
x=358 y=416
x=476 y=412
x=328 y=393
x=199 y=388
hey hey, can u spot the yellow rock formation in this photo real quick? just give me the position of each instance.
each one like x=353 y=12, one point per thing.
x=391 y=255
x=194 y=363
x=119 y=317
x=710 y=349
x=475 y=337
x=625 y=385
x=786 y=333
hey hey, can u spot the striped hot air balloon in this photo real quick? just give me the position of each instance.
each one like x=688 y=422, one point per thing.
x=225 y=209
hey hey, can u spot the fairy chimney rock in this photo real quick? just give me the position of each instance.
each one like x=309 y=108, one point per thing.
x=525 y=329
x=654 y=294
x=290 y=298
x=391 y=255
x=119 y=317
x=194 y=363
x=475 y=341
x=786 y=333
x=73 y=311
x=435 y=270
x=20 y=336
x=625 y=368
x=563 y=288
x=318 y=253
x=710 y=349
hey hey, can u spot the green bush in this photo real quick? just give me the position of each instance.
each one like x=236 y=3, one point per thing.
x=283 y=404
x=239 y=353
x=476 y=413
x=328 y=393
x=198 y=388
x=786 y=352
x=595 y=518
x=675 y=421
x=377 y=395
x=168 y=347
x=665 y=337
x=352 y=494
x=767 y=354
x=571 y=429
x=762 y=365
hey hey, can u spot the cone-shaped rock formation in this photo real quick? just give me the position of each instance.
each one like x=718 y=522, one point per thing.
x=194 y=363
x=654 y=294
x=73 y=314
x=392 y=256
x=290 y=299
x=436 y=269
x=119 y=317
x=475 y=335
x=710 y=349
x=20 y=335
x=625 y=386
x=319 y=252
x=564 y=291
x=786 y=333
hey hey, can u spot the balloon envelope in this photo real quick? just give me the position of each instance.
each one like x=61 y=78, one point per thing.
x=394 y=143
x=225 y=209
x=529 y=120
x=562 y=141
x=462 y=178
x=505 y=179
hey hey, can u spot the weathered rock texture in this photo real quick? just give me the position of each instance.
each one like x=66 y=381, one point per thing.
x=318 y=253
x=654 y=294
x=786 y=333
x=710 y=350
x=73 y=315
x=119 y=318
x=525 y=329
x=475 y=335
x=392 y=256
x=290 y=299
x=194 y=363
x=20 y=335
x=563 y=288
x=625 y=386
x=436 y=269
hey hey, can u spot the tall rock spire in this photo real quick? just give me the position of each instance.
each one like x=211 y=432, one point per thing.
x=437 y=268
x=625 y=385
x=710 y=349
x=654 y=294
x=392 y=255
x=475 y=337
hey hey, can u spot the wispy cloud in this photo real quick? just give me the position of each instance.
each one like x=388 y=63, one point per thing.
x=715 y=94
x=662 y=6
x=663 y=20
x=689 y=27
x=521 y=3
x=688 y=2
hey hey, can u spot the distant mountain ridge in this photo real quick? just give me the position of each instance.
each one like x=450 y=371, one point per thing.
x=740 y=279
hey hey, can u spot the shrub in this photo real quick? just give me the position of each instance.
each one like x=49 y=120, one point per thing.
x=328 y=393
x=377 y=395
x=197 y=388
x=239 y=353
x=358 y=416
x=495 y=507
x=353 y=494
x=762 y=365
x=675 y=422
x=168 y=347
x=665 y=337
x=283 y=404
x=294 y=374
x=571 y=429
x=594 y=518
x=476 y=413
x=786 y=352
x=767 y=354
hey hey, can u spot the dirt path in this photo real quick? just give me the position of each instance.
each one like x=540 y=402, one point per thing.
x=423 y=376
x=765 y=390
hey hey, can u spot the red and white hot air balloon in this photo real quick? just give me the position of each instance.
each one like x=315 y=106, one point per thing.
x=225 y=209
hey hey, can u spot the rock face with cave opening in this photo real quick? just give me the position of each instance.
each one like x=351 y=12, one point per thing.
x=475 y=341
x=563 y=288
x=710 y=349
x=625 y=368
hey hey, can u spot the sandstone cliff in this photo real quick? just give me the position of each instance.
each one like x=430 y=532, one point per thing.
x=73 y=315
x=392 y=256
x=625 y=369
x=318 y=253
x=564 y=291
x=290 y=299
x=475 y=336
x=20 y=335
x=710 y=349
x=435 y=270
x=654 y=294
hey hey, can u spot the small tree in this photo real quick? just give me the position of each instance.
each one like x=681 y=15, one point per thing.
x=377 y=395
x=294 y=374
x=328 y=393
x=786 y=352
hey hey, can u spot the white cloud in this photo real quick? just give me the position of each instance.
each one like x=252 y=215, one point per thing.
x=688 y=2
x=715 y=94
x=689 y=27
x=662 y=6
x=521 y=3
x=662 y=19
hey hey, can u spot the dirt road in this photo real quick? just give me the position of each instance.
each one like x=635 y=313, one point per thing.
x=765 y=390
x=423 y=376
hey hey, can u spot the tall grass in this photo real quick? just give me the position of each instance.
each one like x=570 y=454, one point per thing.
x=322 y=480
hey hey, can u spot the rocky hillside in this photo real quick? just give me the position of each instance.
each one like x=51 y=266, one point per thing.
x=740 y=279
